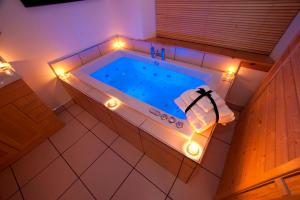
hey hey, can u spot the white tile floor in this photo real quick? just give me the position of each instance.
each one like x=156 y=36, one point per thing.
x=86 y=160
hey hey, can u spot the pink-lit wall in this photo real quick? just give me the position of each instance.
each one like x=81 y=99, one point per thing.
x=33 y=36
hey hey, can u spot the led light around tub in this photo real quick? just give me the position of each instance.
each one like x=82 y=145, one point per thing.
x=62 y=74
x=118 y=44
x=7 y=69
x=192 y=149
x=229 y=74
x=113 y=103
x=4 y=65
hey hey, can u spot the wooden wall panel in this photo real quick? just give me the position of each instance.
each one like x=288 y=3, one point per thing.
x=267 y=136
x=253 y=26
x=25 y=121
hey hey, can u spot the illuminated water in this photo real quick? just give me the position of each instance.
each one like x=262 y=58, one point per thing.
x=146 y=82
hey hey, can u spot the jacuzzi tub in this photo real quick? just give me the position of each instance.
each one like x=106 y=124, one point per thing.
x=149 y=85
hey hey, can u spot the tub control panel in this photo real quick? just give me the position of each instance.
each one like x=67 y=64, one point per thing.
x=164 y=116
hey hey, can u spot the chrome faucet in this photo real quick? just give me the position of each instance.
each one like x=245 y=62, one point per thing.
x=163 y=53
x=154 y=53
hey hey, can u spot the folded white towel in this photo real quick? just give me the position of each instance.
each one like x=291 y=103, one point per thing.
x=208 y=118
x=205 y=102
x=199 y=119
x=191 y=117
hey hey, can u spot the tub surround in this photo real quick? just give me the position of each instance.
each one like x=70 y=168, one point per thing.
x=211 y=77
x=203 y=57
x=158 y=141
x=162 y=144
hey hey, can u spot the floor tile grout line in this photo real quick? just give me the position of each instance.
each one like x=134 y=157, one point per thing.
x=40 y=171
x=138 y=171
x=69 y=187
x=75 y=117
x=75 y=142
x=110 y=147
x=133 y=168
x=221 y=140
x=76 y=175
x=103 y=140
x=176 y=177
x=19 y=187
x=82 y=182
x=193 y=171
x=211 y=172
x=93 y=162
x=115 y=192
x=89 y=129
x=67 y=110
x=60 y=154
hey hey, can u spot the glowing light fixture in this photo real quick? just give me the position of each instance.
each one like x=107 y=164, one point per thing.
x=118 y=44
x=7 y=68
x=113 y=103
x=4 y=65
x=229 y=74
x=9 y=72
x=192 y=149
x=62 y=74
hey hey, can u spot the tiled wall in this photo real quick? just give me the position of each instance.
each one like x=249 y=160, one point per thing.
x=202 y=59
x=240 y=93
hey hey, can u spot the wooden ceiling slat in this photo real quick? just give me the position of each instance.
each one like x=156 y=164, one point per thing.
x=255 y=26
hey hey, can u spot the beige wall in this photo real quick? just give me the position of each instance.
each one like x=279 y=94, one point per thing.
x=31 y=37
x=245 y=84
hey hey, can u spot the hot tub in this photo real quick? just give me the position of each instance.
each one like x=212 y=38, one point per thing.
x=149 y=85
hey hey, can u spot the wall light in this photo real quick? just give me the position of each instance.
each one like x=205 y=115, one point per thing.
x=62 y=74
x=192 y=149
x=4 y=65
x=229 y=74
x=7 y=68
x=118 y=44
x=113 y=103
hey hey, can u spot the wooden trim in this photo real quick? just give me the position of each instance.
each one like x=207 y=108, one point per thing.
x=281 y=185
x=286 y=170
x=256 y=66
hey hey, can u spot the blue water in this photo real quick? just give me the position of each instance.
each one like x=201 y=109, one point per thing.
x=152 y=84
